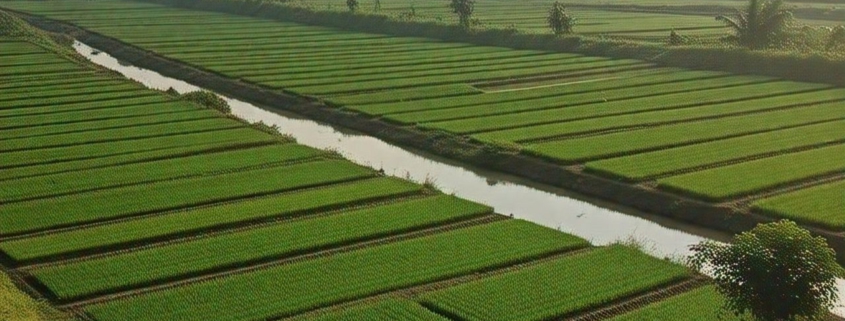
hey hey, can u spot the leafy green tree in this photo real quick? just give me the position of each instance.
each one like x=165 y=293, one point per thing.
x=352 y=4
x=837 y=38
x=377 y=5
x=560 y=21
x=464 y=9
x=763 y=23
x=775 y=272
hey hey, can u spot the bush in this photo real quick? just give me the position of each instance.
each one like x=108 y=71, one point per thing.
x=208 y=99
x=464 y=9
x=352 y=4
x=775 y=272
x=560 y=21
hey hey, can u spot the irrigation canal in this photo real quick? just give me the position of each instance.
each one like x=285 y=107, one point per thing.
x=595 y=220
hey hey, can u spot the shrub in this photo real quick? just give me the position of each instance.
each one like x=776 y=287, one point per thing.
x=560 y=21
x=761 y=24
x=464 y=9
x=208 y=99
x=775 y=272
x=352 y=4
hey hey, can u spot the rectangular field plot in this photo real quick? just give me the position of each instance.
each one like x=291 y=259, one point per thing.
x=131 y=233
x=288 y=289
x=753 y=176
x=151 y=266
x=702 y=304
x=394 y=309
x=646 y=165
x=557 y=288
x=822 y=205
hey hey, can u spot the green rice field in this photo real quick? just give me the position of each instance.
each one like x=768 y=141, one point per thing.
x=710 y=136
x=125 y=203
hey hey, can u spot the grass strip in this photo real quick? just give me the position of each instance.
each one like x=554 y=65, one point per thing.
x=389 y=309
x=221 y=252
x=758 y=175
x=135 y=232
x=210 y=122
x=135 y=200
x=642 y=166
x=821 y=205
x=109 y=177
x=702 y=304
x=649 y=139
x=289 y=289
x=566 y=285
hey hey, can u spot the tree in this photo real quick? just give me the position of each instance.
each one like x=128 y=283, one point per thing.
x=352 y=4
x=775 y=272
x=837 y=38
x=761 y=24
x=464 y=10
x=559 y=20
x=377 y=5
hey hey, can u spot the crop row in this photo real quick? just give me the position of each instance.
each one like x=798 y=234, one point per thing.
x=137 y=231
x=646 y=165
x=201 y=165
x=569 y=284
x=83 y=99
x=138 y=268
x=65 y=119
x=390 y=309
x=134 y=99
x=659 y=110
x=661 y=137
x=134 y=200
x=702 y=304
x=163 y=116
x=532 y=112
x=754 y=176
x=822 y=205
x=34 y=86
x=211 y=122
x=288 y=289
x=60 y=95
x=78 y=157
x=619 y=81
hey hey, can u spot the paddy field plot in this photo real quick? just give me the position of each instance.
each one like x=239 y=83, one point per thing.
x=127 y=203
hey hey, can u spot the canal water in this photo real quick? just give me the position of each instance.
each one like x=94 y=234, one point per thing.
x=594 y=220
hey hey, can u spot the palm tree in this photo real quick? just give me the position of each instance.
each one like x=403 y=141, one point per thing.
x=762 y=23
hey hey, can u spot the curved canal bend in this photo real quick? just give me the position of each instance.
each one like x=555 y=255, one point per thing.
x=597 y=221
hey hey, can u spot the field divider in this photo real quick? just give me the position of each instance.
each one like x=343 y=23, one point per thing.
x=121 y=126
x=727 y=162
x=171 y=284
x=213 y=202
x=672 y=122
x=187 y=236
x=637 y=301
x=650 y=149
x=211 y=150
x=204 y=130
x=743 y=201
x=413 y=291
x=174 y=178
x=489 y=86
x=564 y=106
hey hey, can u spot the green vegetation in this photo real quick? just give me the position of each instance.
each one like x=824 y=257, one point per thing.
x=774 y=272
x=404 y=310
x=702 y=304
x=821 y=205
x=560 y=21
x=17 y=306
x=134 y=269
x=569 y=284
x=291 y=288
